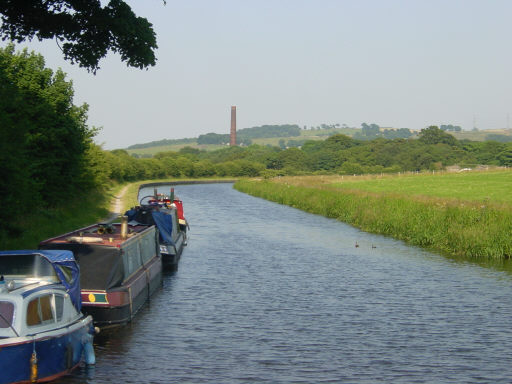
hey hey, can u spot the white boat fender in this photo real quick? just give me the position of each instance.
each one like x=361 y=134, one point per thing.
x=90 y=358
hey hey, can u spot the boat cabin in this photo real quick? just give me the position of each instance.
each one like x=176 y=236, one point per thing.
x=43 y=334
x=120 y=267
x=166 y=213
x=36 y=295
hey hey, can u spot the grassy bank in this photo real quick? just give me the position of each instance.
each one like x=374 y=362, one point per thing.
x=130 y=198
x=475 y=225
x=70 y=214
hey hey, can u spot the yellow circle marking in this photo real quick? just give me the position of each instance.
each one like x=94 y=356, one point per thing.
x=92 y=298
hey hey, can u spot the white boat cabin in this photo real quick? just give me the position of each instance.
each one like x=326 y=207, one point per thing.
x=32 y=297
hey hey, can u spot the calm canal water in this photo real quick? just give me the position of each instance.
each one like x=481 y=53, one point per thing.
x=269 y=294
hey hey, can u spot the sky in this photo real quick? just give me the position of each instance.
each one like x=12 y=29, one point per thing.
x=395 y=63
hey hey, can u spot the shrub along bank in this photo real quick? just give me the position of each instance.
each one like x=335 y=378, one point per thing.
x=470 y=229
x=44 y=222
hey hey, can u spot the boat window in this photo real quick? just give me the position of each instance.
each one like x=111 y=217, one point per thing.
x=59 y=306
x=131 y=259
x=46 y=308
x=7 y=314
x=67 y=273
x=39 y=311
x=147 y=247
x=33 y=317
x=27 y=265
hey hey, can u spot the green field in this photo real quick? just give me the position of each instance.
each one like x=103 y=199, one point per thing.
x=491 y=186
x=465 y=215
x=175 y=148
x=479 y=135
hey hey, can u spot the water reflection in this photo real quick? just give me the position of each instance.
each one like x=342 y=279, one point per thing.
x=270 y=294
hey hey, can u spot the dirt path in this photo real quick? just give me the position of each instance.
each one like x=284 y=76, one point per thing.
x=116 y=206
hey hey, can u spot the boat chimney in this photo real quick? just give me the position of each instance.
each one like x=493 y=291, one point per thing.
x=124 y=227
x=172 y=195
x=155 y=194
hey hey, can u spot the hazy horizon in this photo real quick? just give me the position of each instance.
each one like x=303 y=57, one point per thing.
x=395 y=63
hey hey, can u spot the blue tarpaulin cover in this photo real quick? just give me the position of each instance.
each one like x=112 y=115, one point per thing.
x=58 y=259
x=164 y=223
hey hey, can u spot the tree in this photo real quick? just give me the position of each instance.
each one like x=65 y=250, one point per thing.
x=371 y=131
x=45 y=143
x=85 y=29
x=433 y=135
x=337 y=142
x=505 y=157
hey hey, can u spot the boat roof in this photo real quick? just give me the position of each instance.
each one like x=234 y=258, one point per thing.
x=62 y=261
x=104 y=234
x=105 y=258
x=53 y=256
x=162 y=217
x=25 y=287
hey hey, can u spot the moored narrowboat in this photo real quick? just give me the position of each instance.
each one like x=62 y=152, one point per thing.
x=43 y=334
x=166 y=213
x=120 y=268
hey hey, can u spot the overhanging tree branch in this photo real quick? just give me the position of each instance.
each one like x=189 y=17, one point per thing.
x=87 y=30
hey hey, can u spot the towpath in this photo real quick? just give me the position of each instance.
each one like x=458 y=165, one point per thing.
x=116 y=205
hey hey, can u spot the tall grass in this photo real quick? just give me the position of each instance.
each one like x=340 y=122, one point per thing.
x=70 y=214
x=470 y=229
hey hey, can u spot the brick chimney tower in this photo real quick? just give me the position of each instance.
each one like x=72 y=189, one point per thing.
x=232 y=138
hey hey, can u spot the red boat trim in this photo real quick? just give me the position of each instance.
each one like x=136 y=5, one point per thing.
x=94 y=297
x=111 y=299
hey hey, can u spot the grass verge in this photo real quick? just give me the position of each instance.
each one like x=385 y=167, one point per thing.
x=454 y=227
x=71 y=214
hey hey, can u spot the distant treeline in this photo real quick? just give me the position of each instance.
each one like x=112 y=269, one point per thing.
x=47 y=152
x=161 y=143
x=286 y=130
x=245 y=135
x=373 y=131
x=498 y=137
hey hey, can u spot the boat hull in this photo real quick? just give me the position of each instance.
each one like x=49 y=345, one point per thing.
x=171 y=254
x=58 y=353
x=119 y=305
x=118 y=272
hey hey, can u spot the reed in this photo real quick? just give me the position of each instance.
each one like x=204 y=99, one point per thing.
x=455 y=227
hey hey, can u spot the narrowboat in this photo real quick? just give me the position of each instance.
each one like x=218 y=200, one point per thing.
x=43 y=333
x=120 y=267
x=166 y=213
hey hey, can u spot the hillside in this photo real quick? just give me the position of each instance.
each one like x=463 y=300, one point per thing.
x=293 y=136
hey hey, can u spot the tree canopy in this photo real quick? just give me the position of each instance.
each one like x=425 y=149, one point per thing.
x=44 y=139
x=84 y=29
x=434 y=135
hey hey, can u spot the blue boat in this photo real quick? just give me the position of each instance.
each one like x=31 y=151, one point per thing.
x=43 y=334
x=166 y=213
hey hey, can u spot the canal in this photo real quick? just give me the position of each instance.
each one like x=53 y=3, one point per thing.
x=269 y=294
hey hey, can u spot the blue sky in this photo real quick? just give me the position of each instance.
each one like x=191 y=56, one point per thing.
x=396 y=63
